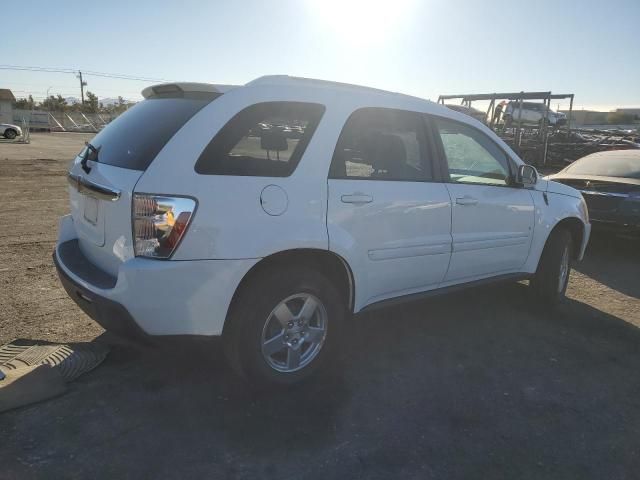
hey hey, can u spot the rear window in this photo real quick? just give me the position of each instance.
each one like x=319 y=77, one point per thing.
x=264 y=140
x=134 y=138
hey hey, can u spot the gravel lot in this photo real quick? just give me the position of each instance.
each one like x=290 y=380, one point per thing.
x=472 y=385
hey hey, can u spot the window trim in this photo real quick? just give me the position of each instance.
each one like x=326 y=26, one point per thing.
x=425 y=144
x=446 y=177
x=294 y=161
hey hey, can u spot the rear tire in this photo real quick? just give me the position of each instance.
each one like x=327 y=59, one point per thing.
x=10 y=134
x=284 y=325
x=549 y=284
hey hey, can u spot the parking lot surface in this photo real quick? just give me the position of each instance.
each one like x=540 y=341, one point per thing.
x=477 y=384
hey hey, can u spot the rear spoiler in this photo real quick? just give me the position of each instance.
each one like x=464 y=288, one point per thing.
x=182 y=88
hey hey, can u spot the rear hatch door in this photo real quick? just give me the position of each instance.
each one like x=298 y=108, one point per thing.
x=101 y=211
x=104 y=174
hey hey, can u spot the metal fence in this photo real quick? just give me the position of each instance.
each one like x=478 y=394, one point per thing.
x=62 y=121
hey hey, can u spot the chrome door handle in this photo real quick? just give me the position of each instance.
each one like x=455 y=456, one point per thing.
x=357 y=198
x=466 y=200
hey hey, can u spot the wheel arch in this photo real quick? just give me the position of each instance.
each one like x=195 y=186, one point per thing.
x=329 y=263
x=576 y=228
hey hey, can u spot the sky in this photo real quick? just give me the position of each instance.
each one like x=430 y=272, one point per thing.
x=419 y=47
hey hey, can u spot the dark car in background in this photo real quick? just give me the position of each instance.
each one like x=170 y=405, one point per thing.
x=610 y=184
x=472 y=112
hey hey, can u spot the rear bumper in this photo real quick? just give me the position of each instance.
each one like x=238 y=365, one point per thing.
x=108 y=314
x=153 y=297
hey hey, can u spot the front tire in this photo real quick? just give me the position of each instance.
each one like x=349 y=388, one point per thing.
x=285 y=325
x=549 y=284
x=10 y=134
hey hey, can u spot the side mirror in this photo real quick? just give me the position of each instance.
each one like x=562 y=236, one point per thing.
x=527 y=175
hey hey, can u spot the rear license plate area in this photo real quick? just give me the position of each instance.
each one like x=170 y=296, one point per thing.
x=91 y=210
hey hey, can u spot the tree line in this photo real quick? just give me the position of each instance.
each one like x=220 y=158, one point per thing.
x=59 y=104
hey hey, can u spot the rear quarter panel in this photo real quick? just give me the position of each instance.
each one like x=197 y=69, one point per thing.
x=230 y=222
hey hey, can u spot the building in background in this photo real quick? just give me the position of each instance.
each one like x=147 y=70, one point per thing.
x=6 y=105
x=633 y=112
x=619 y=116
x=587 y=117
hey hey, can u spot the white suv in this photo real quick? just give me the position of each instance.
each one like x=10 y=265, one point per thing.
x=532 y=114
x=269 y=213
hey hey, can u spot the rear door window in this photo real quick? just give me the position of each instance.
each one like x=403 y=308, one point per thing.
x=135 y=138
x=382 y=144
x=265 y=140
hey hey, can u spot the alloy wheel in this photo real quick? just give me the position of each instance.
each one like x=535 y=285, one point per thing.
x=294 y=332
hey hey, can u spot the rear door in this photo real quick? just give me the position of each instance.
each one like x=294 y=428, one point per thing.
x=104 y=174
x=385 y=214
x=492 y=220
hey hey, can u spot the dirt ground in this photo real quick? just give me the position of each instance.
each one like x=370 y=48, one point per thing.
x=471 y=385
x=33 y=191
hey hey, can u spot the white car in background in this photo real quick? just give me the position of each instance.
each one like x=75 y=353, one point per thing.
x=189 y=218
x=532 y=114
x=10 y=131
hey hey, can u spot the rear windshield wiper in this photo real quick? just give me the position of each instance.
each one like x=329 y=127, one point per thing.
x=90 y=154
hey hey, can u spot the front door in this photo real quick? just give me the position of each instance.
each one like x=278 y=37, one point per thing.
x=385 y=215
x=492 y=219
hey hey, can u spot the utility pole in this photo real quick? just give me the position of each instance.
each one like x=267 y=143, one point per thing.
x=82 y=85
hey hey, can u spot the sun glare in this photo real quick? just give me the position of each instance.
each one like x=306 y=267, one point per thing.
x=361 y=22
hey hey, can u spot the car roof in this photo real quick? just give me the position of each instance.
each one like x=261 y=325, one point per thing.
x=338 y=93
x=280 y=81
x=313 y=85
x=287 y=80
x=291 y=88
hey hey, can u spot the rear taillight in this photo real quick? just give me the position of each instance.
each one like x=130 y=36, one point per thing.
x=159 y=223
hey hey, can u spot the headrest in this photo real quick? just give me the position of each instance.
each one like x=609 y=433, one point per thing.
x=385 y=151
x=275 y=140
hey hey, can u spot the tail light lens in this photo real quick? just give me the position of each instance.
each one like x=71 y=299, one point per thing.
x=159 y=223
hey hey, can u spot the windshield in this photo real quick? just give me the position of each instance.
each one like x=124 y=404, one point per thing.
x=622 y=163
x=134 y=138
